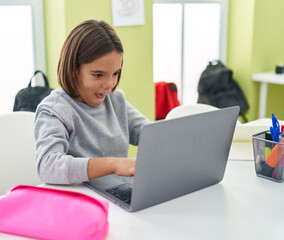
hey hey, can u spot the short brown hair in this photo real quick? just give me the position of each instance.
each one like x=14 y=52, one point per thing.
x=86 y=42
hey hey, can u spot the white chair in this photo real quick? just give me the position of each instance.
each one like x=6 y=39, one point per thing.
x=186 y=110
x=17 y=150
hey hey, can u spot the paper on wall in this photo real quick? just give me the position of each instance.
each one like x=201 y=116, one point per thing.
x=127 y=12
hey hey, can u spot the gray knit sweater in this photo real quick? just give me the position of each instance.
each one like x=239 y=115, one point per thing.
x=68 y=133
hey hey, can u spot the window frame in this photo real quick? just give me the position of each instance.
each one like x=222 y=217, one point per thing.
x=38 y=29
x=223 y=30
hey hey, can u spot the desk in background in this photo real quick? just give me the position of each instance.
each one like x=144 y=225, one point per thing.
x=243 y=206
x=264 y=79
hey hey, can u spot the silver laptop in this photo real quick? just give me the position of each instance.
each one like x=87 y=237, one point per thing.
x=175 y=157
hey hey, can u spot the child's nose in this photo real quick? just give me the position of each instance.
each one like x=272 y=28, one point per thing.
x=109 y=83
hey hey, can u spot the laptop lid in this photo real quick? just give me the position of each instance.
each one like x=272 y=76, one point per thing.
x=182 y=155
x=177 y=157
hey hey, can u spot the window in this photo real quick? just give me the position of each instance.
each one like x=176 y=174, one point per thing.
x=21 y=45
x=187 y=35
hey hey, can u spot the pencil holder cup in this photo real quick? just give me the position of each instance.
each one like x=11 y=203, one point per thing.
x=268 y=156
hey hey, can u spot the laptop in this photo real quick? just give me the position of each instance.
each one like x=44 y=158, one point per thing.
x=175 y=157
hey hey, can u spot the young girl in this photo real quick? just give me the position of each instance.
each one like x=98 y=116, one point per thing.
x=83 y=130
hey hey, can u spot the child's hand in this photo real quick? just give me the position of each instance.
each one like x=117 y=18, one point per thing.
x=99 y=167
x=125 y=167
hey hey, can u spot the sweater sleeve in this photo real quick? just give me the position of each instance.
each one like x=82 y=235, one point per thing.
x=136 y=121
x=53 y=164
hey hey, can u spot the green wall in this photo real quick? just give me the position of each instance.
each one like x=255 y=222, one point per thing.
x=268 y=49
x=240 y=43
x=55 y=33
x=137 y=74
x=255 y=44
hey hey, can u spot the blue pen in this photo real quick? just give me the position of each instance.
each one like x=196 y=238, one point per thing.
x=275 y=129
x=271 y=160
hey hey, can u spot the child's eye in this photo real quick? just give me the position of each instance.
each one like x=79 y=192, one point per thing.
x=117 y=73
x=97 y=75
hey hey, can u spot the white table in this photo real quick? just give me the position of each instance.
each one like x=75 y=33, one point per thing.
x=243 y=206
x=264 y=79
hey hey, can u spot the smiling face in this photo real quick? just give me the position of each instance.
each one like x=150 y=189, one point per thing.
x=98 y=78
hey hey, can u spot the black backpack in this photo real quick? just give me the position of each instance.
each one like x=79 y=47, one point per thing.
x=27 y=99
x=216 y=87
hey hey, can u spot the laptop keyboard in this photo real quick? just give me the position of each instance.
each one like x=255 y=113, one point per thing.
x=122 y=192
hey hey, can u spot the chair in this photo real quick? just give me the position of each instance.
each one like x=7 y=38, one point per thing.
x=186 y=110
x=17 y=151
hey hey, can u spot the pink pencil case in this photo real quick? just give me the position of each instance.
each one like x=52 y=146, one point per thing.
x=46 y=213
